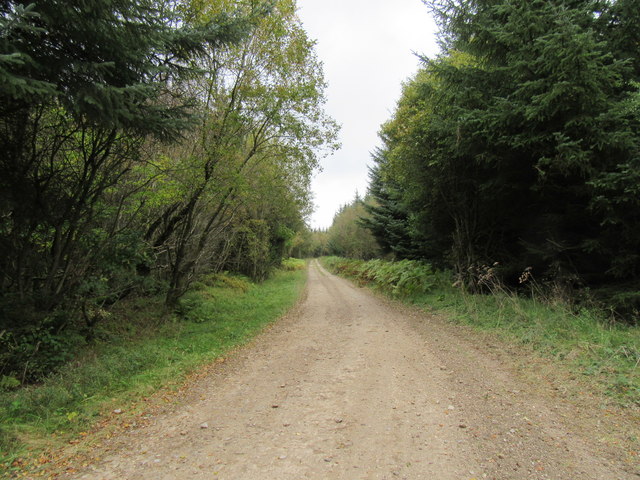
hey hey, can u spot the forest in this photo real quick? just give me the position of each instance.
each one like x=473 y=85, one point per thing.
x=155 y=192
x=516 y=151
x=145 y=144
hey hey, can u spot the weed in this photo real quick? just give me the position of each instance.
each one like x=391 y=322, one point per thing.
x=225 y=280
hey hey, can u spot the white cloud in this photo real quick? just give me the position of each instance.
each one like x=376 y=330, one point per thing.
x=367 y=48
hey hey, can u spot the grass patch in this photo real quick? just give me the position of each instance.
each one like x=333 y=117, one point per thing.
x=141 y=351
x=587 y=341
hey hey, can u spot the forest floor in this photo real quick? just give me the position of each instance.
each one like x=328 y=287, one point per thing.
x=352 y=386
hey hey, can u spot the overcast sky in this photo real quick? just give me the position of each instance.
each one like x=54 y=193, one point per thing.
x=367 y=48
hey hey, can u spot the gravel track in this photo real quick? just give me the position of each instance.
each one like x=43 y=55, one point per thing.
x=350 y=386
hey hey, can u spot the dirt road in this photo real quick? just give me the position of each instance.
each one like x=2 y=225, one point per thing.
x=350 y=387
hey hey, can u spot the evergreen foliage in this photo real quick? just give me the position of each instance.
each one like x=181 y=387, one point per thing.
x=519 y=143
x=105 y=62
x=386 y=217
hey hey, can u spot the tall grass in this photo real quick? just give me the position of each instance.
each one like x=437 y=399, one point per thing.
x=585 y=340
x=145 y=351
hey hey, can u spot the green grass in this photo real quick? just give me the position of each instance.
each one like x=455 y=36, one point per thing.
x=145 y=351
x=586 y=341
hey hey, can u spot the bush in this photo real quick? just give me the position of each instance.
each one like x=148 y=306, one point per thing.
x=193 y=307
x=625 y=305
x=293 y=264
x=400 y=279
x=32 y=354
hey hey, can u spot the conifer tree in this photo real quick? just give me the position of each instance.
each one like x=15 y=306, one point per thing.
x=386 y=217
x=82 y=84
x=519 y=143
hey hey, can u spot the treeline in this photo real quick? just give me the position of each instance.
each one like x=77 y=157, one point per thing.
x=517 y=149
x=346 y=237
x=144 y=143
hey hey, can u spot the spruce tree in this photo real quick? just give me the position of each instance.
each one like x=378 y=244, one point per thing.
x=386 y=217
x=538 y=116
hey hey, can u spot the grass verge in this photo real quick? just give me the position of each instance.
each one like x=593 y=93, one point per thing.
x=141 y=351
x=586 y=341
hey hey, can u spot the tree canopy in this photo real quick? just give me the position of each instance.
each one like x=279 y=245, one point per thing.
x=519 y=143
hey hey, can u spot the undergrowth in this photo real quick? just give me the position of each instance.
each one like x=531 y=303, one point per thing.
x=146 y=350
x=400 y=279
x=293 y=264
x=586 y=340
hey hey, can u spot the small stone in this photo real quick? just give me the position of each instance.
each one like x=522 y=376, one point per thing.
x=183 y=433
x=275 y=406
x=204 y=425
x=117 y=411
x=462 y=425
x=282 y=457
x=339 y=420
x=451 y=407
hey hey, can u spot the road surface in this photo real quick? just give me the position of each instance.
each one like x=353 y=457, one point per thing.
x=350 y=386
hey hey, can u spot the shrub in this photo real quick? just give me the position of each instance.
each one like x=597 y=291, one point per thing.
x=34 y=353
x=225 y=280
x=400 y=279
x=293 y=264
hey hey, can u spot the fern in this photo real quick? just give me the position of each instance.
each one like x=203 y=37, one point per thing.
x=400 y=279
